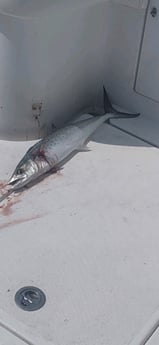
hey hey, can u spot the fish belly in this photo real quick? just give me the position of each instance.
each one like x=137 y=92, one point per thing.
x=62 y=143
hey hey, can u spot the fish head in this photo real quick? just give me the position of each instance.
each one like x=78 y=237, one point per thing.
x=26 y=171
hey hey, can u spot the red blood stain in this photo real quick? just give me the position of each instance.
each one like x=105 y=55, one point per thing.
x=19 y=221
x=42 y=152
x=6 y=207
x=6 y=210
x=3 y=184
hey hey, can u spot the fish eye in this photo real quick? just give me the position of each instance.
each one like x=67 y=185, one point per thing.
x=20 y=171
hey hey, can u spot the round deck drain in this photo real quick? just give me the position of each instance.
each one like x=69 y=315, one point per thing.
x=30 y=298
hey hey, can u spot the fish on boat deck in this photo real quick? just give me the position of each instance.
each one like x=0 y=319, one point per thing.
x=50 y=151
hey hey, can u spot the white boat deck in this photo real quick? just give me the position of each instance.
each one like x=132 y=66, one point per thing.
x=88 y=237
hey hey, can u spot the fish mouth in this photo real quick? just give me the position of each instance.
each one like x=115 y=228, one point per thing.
x=14 y=181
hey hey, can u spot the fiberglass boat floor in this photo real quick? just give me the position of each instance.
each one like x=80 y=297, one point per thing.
x=88 y=237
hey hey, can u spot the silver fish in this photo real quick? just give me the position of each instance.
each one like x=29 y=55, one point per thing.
x=49 y=152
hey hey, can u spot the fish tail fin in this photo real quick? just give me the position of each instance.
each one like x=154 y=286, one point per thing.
x=108 y=108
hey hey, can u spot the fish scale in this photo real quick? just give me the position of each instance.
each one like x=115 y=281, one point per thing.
x=71 y=138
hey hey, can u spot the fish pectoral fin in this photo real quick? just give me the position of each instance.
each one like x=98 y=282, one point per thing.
x=83 y=148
